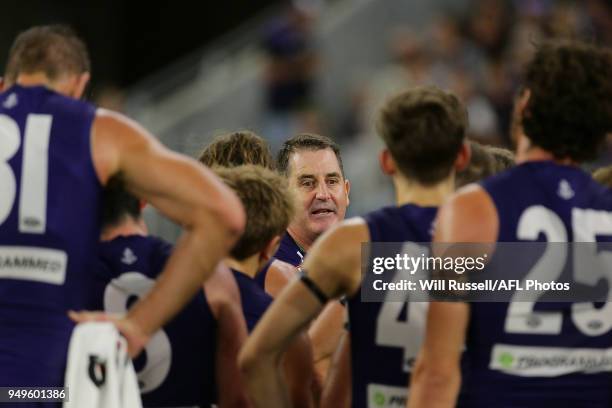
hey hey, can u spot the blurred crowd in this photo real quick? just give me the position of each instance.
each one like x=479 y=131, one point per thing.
x=478 y=54
x=478 y=57
x=475 y=51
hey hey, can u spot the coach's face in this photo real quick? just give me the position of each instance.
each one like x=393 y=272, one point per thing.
x=322 y=191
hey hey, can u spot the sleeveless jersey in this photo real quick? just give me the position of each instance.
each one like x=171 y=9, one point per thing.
x=260 y=278
x=289 y=251
x=255 y=301
x=49 y=228
x=551 y=354
x=177 y=368
x=386 y=337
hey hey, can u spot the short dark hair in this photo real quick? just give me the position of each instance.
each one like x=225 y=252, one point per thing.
x=55 y=50
x=569 y=110
x=305 y=141
x=268 y=204
x=237 y=148
x=485 y=161
x=118 y=203
x=424 y=129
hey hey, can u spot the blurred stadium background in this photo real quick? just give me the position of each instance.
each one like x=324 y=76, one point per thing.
x=322 y=66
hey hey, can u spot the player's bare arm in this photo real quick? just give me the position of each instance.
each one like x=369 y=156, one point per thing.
x=279 y=275
x=468 y=216
x=337 y=389
x=184 y=191
x=437 y=374
x=325 y=333
x=333 y=266
x=298 y=368
x=304 y=388
x=224 y=298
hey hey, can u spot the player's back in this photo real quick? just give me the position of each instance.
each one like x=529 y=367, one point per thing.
x=177 y=368
x=386 y=336
x=544 y=354
x=49 y=227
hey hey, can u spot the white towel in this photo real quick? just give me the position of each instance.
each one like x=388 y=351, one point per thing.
x=100 y=373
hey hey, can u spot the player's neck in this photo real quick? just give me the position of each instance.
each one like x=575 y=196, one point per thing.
x=526 y=152
x=35 y=79
x=249 y=266
x=411 y=192
x=63 y=85
x=127 y=227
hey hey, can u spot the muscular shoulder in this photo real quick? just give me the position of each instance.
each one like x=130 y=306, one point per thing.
x=469 y=215
x=113 y=133
x=106 y=121
x=342 y=242
x=283 y=269
x=279 y=275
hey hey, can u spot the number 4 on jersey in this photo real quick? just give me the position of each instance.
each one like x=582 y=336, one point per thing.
x=406 y=333
x=402 y=324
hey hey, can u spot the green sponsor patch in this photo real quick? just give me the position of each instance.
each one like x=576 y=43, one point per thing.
x=506 y=360
x=379 y=398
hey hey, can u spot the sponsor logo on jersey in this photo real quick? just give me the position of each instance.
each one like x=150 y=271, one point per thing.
x=33 y=263
x=380 y=396
x=540 y=361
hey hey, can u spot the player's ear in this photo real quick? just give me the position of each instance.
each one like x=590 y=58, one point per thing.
x=387 y=164
x=347 y=187
x=522 y=100
x=1 y=84
x=81 y=83
x=463 y=157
